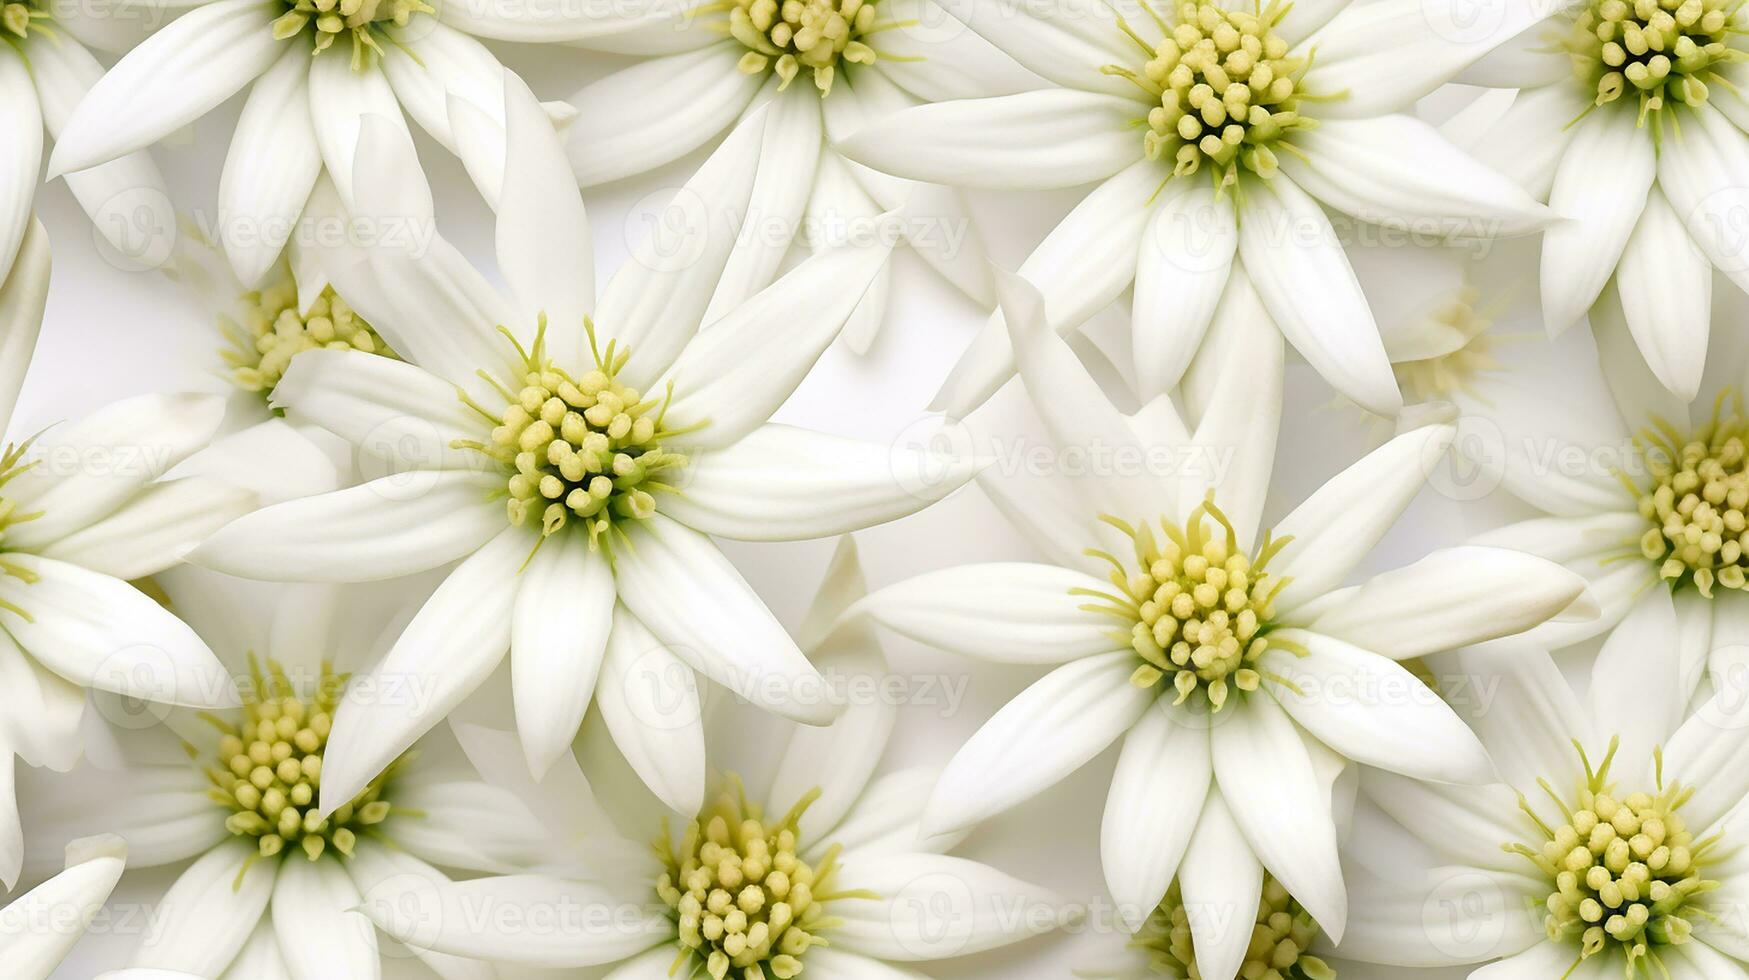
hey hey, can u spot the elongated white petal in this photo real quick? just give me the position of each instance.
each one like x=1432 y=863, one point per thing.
x=839 y=759
x=1704 y=175
x=438 y=74
x=43 y=711
x=1454 y=597
x=1222 y=878
x=316 y=898
x=173 y=78
x=210 y=912
x=454 y=642
x=23 y=293
x=1461 y=824
x=1005 y=613
x=270 y=168
x=1708 y=753
x=837 y=963
x=564 y=607
x=1527 y=141
x=40 y=927
x=346 y=98
x=933 y=907
x=392 y=526
x=598 y=26
x=1031 y=140
x=1186 y=254
x=1667 y=297
x=1340 y=522
x=168 y=818
x=1640 y=702
x=656 y=111
x=382 y=876
x=1048 y=731
x=1163 y=776
x=1539 y=439
x=470 y=825
x=1060 y=43
x=541 y=921
x=1525 y=712
x=679 y=585
x=888 y=818
x=101 y=632
x=1296 y=262
x=936 y=58
x=1599 y=193
x=21 y=125
x=649 y=699
x=781 y=483
x=734 y=375
x=390 y=409
x=1372 y=710
x=1266 y=778
x=154 y=530
x=1458 y=914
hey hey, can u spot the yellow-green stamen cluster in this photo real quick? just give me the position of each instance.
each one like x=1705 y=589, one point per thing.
x=1439 y=377
x=1229 y=94
x=1625 y=871
x=745 y=904
x=19 y=17
x=1197 y=609
x=1280 y=938
x=1697 y=500
x=1662 y=52
x=328 y=20
x=12 y=464
x=797 y=34
x=273 y=331
x=269 y=770
x=586 y=449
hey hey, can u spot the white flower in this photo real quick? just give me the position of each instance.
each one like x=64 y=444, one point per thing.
x=1613 y=847
x=39 y=928
x=45 y=70
x=1218 y=133
x=833 y=878
x=1628 y=121
x=270 y=888
x=316 y=70
x=574 y=499
x=85 y=508
x=821 y=69
x=1236 y=669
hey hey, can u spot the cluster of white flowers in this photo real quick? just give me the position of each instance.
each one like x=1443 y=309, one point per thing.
x=381 y=634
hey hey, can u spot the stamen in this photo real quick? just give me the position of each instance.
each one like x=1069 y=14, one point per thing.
x=273 y=332
x=1659 y=51
x=1280 y=938
x=328 y=20
x=797 y=34
x=19 y=17
x=1697 y=501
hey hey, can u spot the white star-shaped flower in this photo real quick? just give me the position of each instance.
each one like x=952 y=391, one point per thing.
x=574 y=455
x=1239 y=671
x=1218 y=133
x=826 y=873
x=86 y=508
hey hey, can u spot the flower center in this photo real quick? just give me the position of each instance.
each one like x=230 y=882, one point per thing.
x=1197 y=609
x=1229 y=94
x=742 y=898
x=1279 y=939
x=328 y=20
x=19 y=17
x=273 y=332
x=587 y=449
x=1659 y=50
x=1697 y=500
x=798 y=34
x=1439 y=377
x=270 y=768
x=1623 y=869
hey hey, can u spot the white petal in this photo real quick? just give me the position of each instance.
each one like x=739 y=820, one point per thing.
x=316 y=898
x=656 y=111
x=168 y=818
x=543 y=249
x=935 y=57
x=347 y=98
x=679 y=585
x=1048 y=731
x=781 y=483
x=173 y=78
x=1454 y=597
x=831 y=963
x=209 y=913
x=392 y=526
x=1338 y=524
x=1399 y=172
x=650 y=701
x=21 y=159
x=1461 y=824
x=154 y=530
x=382 y=875
x=888 y=818
x=1707 y=753
x=1028 y=141
x=535 y=920
x=1223 y=881
x=23 y=294
x=1524 y=711
x=1535 y=460
x=1163 y=777
x=1458 y=914
x=1059 y=43
x=1704 y=174
x=934 y=907
x=469 y=825
x=1186 y=255
x=839 y=759
x=1373 y=711
x=735 y=375
x=1667 y=297
x=41 y=926
x=1527 y=141
x=1600 y=190
x=270 y=168
x=43 y=712
x=564 y=607
x=1296 y=262
x=454 y=642
x=1005 y=613
x=1641 y=701
x=101 y=632
x=1266 y=778
x=439 y=74
x=392 y=410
